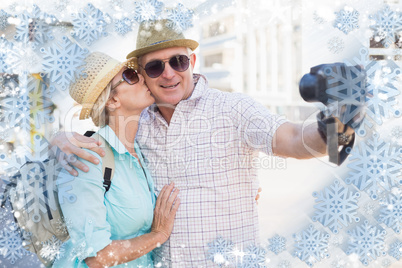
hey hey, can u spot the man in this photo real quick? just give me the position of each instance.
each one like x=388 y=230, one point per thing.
x=205 y=141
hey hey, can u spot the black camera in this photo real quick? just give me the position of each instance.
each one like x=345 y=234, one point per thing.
x=340 y=87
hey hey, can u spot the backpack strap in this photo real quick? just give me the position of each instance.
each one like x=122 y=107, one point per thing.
x=107 y=160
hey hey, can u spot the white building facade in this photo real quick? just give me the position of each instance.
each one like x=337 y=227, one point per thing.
x=254 y=47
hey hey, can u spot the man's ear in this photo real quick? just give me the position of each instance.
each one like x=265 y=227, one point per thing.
x=193 y=58
x=113 y=103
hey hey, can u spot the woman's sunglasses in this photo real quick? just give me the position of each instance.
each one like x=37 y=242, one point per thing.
x=155 y=68
x=130 y=76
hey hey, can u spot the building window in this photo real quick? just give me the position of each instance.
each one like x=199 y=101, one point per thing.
x=221 y=27
x=214 y=60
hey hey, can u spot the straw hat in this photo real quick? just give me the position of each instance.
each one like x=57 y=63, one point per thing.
x=158 y=34
x=99 y=70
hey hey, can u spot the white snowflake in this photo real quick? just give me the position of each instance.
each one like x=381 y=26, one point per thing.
x=5 y=213
x=254 y=257
x=40 y=151
x=369 y=208
x=338 y=263
x=336 y=45
x=277 y=244
x=60 y=156
x=346 y=93
x=387 y=25
x=337 y=240
x=318 y=19
x=34 y=27
x=4 y=135
x=9 y=86
x=367 y=242
x=89 y=24
x=63 y=188
x=374 y=166
x=11 y=244
x=336 y=206
x=347 y=20
x=11 y=165
x=3 y=19
x=33 y=103
x=386 y=263
x=51 y=249
x=284 y=264
x=311 y=245
x=148 y=10
x=116 y=4
x=12 y=7
x=16 y=112
x=4 y=130
x=396 y=190
x=123 y=26
x=5 y=47
x=396 y=132
x=397 y=52
x=180 y=18
x=391 y=210
x=220 y=251
x=357 y=92
x=395 y=250
x=40 y=100
x=61 y=5
x=36 y=189
x=79 y=251
x=25 y=236
x=62 y=225
x=21 y=59
x=63 y=61
x=382 y=94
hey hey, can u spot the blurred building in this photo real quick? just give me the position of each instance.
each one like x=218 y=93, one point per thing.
x=254 y=47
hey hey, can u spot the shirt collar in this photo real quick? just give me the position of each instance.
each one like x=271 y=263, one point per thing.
x=108 y=134
x=200 y=83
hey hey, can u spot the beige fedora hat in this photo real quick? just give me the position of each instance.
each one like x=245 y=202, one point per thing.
x=159 y=34
x=99 y=70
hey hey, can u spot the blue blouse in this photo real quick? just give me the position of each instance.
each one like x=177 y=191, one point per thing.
x=94 y=218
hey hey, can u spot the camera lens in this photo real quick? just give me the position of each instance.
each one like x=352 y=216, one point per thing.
x=309 y=87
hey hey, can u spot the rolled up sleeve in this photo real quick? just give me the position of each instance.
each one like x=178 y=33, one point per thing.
x=256 y=124
x=85 y=214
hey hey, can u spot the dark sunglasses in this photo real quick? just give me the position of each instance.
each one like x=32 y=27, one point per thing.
x=155 y=68
x=130 y=76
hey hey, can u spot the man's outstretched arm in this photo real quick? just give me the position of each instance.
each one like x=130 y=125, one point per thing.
x=301 y=141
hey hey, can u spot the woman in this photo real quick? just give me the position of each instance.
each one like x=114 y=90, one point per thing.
x=116 y=226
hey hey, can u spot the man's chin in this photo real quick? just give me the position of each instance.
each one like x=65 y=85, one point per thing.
x=167 y=104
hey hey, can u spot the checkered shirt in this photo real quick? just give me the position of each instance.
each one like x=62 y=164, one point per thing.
x=209 y=150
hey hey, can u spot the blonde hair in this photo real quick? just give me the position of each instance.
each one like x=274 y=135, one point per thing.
x=100 y=113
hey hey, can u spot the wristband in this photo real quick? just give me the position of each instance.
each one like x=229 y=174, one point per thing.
x=343 y=138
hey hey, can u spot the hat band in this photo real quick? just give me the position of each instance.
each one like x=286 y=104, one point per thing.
x=160 y=42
